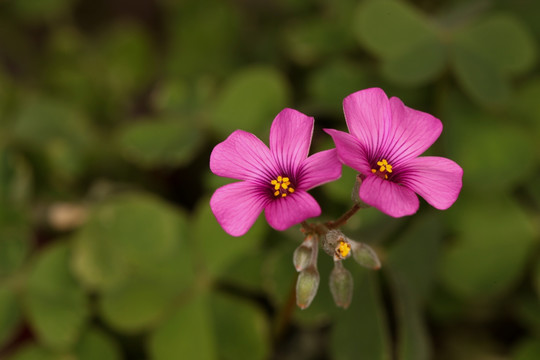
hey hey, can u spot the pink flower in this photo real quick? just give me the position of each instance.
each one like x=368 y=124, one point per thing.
x=275 y=179
x=385 y=140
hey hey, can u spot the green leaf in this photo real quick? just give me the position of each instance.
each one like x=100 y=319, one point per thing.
x=250 y=100
x=370 y=338
x=504 y=41
x=331 y=83
x=10 y=314
x=413 y=260
x=392 y=28
x=95 y=344
x=15 y=179
x=527 y=350
x=418 y=64
x=187 y=333
x=15 y=234
x=57 y=307
x=160 y=143
x=130 y=233
x=492 y=246
x=479 y=76
x=30 y=351
x=240 y=329
x=212 y=327
x=39 y=11
x=211 y=239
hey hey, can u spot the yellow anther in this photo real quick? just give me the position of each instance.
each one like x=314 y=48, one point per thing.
x=343 y=249
x=282 y=185
x=384 y=168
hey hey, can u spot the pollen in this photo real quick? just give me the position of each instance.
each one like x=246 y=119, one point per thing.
x=343 y=249
x=281 y=186
x=384 y=169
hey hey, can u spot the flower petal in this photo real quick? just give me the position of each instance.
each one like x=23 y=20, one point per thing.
x=242 y=156
x=368 y=117
x=288 y=211
x=236 y=206
x=390 y=198
x=319 y=168
x=350 y=151
x=412 y=132
x=290 y=138
x=438 y=180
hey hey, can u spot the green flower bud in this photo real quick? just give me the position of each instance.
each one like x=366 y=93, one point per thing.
x=306 y=254
x=336 y=244
x=365 y=255
x=306 y=286
x=341 y=285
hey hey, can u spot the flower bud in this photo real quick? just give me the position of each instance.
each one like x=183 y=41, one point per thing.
x=306 y=254
x=341 y=285
x=355 y=194
x=306 y=286
x=336 y=244
x=365 y=255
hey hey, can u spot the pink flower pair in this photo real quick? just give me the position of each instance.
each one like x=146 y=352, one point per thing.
x=383 y=144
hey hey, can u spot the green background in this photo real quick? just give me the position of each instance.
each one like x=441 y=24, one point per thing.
x=109 y=111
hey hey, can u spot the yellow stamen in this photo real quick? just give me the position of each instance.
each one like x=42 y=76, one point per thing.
x=343 y=249
x=384 y=169
x=282 y=186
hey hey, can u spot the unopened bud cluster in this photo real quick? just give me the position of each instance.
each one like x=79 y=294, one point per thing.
x=339 y=247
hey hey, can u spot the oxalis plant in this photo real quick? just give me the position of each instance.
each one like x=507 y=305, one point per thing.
x=383 y=144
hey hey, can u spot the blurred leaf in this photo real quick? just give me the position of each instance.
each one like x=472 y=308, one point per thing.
x=160 y=143
x=526 y=105
x=310 y=39
x=392 y=28
x=187 y=333
x=414 y=258
x=478 y=75
x=57 y=307
x=38 y=11
x=217 y=249
x=370 y=338
x=95 y=344
x=486 y=146
x=10 y=314
x=493 y=244
x=131 y=232
x=204 y=38
x=241 y=329
x=418 y=64
x=30 y=351
x=207 y=326
x=14 y=241
x=527 y=350
x=504 y=41
x=137 y=303
x=331 y=83
x=250 y=100
x=128 y=58
x=15 y=179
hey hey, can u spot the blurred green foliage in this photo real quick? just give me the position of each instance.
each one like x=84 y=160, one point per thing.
x=109 y=111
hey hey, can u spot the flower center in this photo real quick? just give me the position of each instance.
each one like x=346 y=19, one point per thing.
x=384 y=169
x=343 y=249
x=282 y=186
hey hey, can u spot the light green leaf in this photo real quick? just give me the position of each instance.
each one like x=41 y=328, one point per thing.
x=250 y=100
x=160 y=143
x=127 y=234
x=482 y=80
x=390 y=28
x=504 y=41
x=57 y=307
x=95 y=344
x=370 y=337
x=187 y=333
x=493 y=243
x=10 y=314
x=218 y=249
x=418 y=64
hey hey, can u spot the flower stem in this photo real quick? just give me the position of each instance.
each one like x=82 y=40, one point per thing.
x=344 y=218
